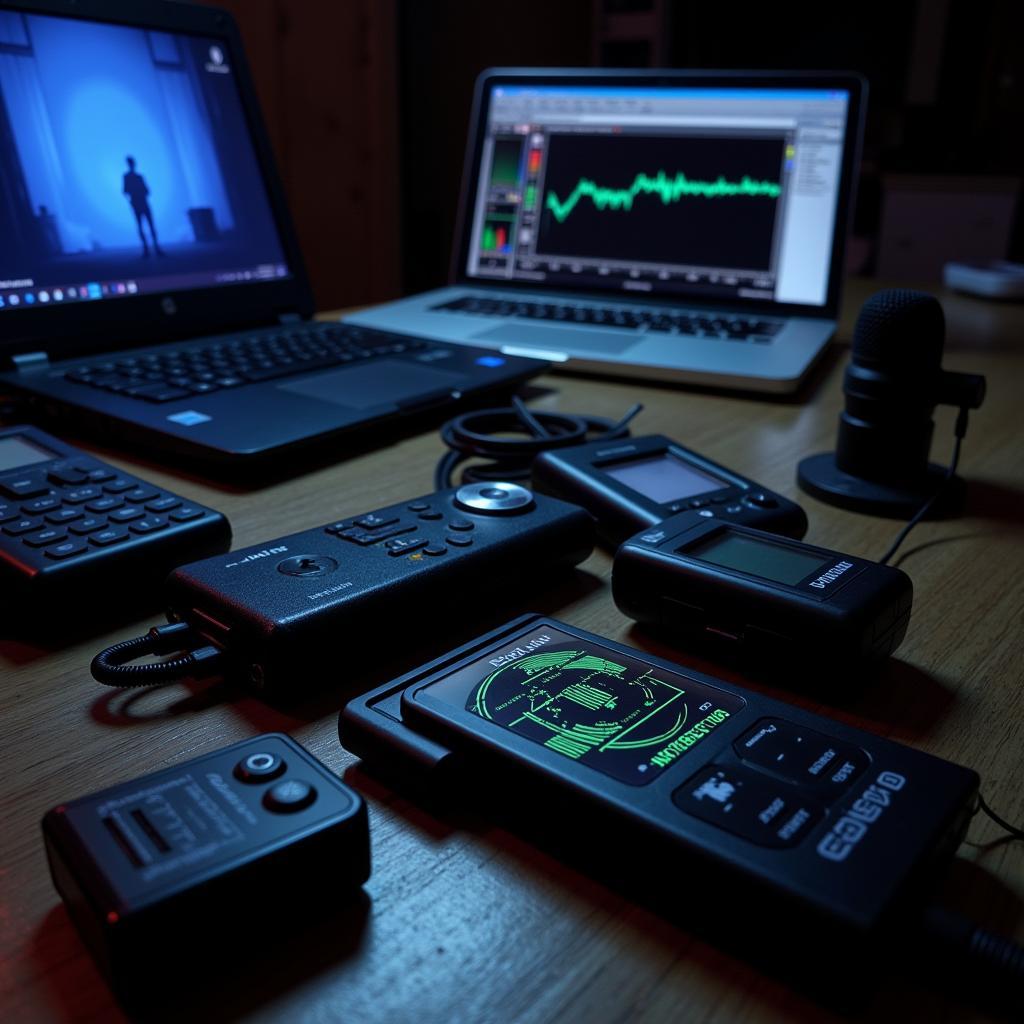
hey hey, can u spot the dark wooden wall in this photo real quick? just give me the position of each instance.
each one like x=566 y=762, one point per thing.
x=326 y=74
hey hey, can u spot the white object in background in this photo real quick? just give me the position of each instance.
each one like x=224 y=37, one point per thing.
x=996 y=280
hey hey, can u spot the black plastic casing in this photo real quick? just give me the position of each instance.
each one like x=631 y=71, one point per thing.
x=284 y=632
x=846 y=616
x=148 y=899
x=31 y=581
x=577 y=475
x=811 y=909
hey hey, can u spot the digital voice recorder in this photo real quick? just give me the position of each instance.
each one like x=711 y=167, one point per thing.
x=631 y=484
x=286 y=610
x=778 y=823
x=778 y=602
x=219 y=854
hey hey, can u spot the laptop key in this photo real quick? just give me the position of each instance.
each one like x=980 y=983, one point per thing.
x=88 y=525
x=66 y=550
x=111 y=535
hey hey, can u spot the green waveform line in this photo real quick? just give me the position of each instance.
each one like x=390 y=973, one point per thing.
x=669 y=190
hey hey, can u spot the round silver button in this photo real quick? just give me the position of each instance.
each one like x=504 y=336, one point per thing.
x=493 y=497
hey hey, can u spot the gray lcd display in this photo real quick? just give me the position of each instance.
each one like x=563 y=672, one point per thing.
x=16 y=452
x=764 y=558
x=663 y=478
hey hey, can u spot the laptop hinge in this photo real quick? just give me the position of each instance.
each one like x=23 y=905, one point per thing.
x=30 y=360
x=290 y=318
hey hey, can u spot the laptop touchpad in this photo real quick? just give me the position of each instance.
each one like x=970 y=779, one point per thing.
x=379 y=382
x=569 y=338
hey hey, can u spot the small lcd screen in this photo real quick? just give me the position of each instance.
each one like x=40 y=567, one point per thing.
x=663 y=478
x=767 y=559
x=590 y=704
x=16 y=452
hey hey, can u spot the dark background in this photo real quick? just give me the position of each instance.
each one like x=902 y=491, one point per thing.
x=368 y=107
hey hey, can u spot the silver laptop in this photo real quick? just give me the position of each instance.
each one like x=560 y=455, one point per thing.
x=678 y=226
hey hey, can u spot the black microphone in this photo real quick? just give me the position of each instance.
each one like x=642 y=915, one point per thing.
x=892 y=386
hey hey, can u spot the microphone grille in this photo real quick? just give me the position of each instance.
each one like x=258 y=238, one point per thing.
x=900 y=328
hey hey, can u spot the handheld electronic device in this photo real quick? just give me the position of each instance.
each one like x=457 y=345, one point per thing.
x=814 y=832
x=780 y=601
x=285 y=609
x=71 y=525
x=634 y=483
x=156 y=870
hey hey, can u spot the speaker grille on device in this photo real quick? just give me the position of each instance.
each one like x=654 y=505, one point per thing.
x=900 y=329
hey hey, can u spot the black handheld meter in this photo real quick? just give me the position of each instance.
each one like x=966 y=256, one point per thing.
x=635 y=483
x=813 y=830
x=777 y=599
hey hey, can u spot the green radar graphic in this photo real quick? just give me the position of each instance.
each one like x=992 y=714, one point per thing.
x=618 y=716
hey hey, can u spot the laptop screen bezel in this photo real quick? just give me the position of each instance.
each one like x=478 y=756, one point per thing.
x=153 y=317
x=853 y=84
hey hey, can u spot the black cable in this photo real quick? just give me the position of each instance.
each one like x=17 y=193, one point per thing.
x=483 y=435
x=959 y=430
x=1017 y=833
x=110 y=665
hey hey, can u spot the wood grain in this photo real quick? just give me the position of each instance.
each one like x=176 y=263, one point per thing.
x=463 y=921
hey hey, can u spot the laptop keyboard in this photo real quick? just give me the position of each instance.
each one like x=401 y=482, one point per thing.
x=657 y=321
x=234 y=360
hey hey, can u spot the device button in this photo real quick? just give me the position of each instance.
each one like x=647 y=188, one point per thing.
x=459 y=541
x=20 y=526
x=63 y=515
x=461 y=525
x=374 y=521
x=108 y=536
x=403 y=544
x=33 y=508
x=289 y=796
x=69 y=476
x=141 y=494
x=706 y=513
x=119 y=485
x=801 y=755
x=149 y=525
x=435 y=549
x=497 y=497
x=99 y=476
x=733 y=509
x=677 y=507
x=431 y=516
x=44 y=537
x=80 y=495
x=164 y=504
x=419 y=506
x=24 y=487
x=88 y=525
x=8 y=511
x=104 y=504
x=65 y=550
x=126 y=515
x=749 y=804
x=304 y=566
x=259 y=767
x=761 y=500
x=698 y=502
x=185 y=513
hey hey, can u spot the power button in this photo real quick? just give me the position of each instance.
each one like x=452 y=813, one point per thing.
x=259 y=767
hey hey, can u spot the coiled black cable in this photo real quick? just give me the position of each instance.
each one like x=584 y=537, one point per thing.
x=111 y=666
x=483 y=435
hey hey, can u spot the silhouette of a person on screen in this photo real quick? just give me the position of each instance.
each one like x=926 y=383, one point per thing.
x=137 y=191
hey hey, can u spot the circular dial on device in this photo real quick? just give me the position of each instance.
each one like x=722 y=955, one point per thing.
x=493 y=497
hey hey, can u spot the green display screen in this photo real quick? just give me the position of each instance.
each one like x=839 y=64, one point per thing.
x=768 y=559
x=588 y=703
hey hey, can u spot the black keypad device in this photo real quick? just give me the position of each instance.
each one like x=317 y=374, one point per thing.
x=74 y=529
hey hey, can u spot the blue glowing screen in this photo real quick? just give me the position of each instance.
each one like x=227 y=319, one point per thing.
x=126 y=165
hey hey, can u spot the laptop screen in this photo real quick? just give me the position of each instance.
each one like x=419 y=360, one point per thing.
x=127 y=166
x=716 y=193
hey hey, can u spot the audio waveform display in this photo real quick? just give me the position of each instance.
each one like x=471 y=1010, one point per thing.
x=702 y=201
x=667 y=189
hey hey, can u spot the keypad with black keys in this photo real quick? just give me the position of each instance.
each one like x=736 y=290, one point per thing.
x=666 y=321
x=235 y=360
x=420 y=527
x=69 y=508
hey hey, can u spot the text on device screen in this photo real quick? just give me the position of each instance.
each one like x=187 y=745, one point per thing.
x=130 y=166
x=663 y=478
x=770 y=561
x=18 y=451
x=589 y=704
x=712 y=192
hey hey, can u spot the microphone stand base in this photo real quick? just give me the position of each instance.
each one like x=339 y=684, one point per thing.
x=819 y=476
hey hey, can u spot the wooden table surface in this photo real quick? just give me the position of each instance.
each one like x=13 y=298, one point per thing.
x=463 y=921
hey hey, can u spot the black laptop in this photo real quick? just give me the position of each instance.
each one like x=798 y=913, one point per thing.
x=150 y=279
